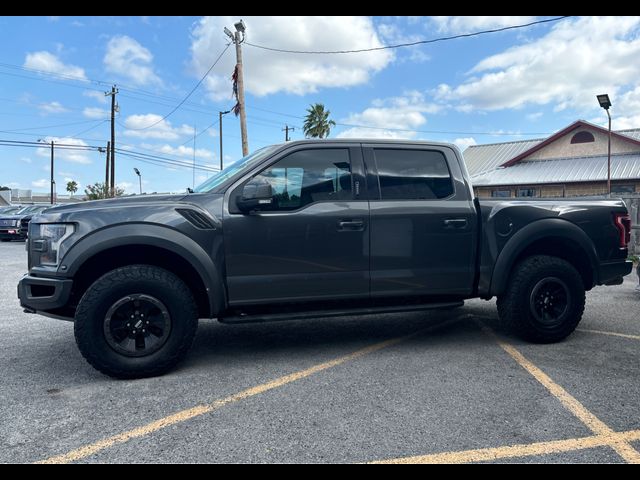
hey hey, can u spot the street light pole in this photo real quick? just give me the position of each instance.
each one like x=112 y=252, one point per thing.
x=139 y=178
x=53 y=182
x=605 y=103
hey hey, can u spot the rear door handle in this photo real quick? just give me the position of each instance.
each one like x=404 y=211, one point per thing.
x=455 y=223
x=355 y=225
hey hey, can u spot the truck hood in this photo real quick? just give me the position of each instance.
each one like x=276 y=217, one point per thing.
x=132 y=201
x=138 y=208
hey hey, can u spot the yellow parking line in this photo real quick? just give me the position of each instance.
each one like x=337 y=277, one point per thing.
x=613 y=334
x=523 y=450
x=597 y=426
x=200 y=410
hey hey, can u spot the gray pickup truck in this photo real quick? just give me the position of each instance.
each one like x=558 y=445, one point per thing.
x=314 y=229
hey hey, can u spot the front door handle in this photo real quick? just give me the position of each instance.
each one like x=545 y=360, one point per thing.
x=355 y=225
x=455 y=223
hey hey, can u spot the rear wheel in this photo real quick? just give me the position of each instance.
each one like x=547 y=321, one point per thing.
x=545 y=299
x=136 y=321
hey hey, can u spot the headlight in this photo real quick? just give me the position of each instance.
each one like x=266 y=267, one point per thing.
x=50 y=236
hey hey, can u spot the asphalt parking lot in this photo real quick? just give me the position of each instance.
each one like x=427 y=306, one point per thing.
x=443 y=386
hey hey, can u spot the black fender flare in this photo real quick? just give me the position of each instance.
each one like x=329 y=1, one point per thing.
x=156 y=236
x=548 y=227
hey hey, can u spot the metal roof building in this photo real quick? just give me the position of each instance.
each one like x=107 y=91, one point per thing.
x=571 y=162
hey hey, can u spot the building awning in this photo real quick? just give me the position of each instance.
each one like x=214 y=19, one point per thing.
x=564 y=170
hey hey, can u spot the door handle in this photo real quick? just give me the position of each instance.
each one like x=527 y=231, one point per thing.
x=455 y=223
x=350 y=225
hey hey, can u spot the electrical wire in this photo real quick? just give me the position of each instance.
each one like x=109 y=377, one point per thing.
x=408 y=44
x=189 y=94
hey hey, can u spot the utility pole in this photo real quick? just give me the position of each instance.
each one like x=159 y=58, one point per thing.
x=52 y=180
x=112 y=186
x=106 y=173
x=237 y=38
x=220 y=124
x=286 y=132
x=193 y=182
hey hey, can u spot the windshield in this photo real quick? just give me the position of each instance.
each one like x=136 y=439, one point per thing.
x=31 y=209
x=233 y=169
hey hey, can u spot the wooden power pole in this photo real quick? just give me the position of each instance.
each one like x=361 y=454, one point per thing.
x=112 y=185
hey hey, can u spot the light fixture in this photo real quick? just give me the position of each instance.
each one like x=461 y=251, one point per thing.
x=240 y=26
x=604 y=101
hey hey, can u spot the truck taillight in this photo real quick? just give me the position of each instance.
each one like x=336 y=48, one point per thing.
x=622 y=222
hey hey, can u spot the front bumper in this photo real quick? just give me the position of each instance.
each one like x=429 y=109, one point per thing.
x=14 y=233
x=38 y=293
x=612 y=273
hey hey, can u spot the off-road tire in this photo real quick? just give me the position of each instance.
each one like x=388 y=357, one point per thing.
x=155 y=282
x=522 y=305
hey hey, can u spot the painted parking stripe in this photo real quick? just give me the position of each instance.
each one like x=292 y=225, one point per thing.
x=520 y=451
x=188 y=414
x=593 y=423
x=613 y=334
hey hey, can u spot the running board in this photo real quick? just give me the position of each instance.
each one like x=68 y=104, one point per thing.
x=278 y=317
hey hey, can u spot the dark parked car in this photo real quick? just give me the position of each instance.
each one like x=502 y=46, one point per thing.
x=310 y=229
x=9 y=210
x=14 y=226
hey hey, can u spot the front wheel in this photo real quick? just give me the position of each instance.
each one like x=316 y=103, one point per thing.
x=545 y=299
x=136 y=321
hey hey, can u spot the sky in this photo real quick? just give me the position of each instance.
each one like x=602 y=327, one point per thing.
x=511 y=85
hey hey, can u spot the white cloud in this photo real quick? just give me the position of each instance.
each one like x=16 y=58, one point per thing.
x=26 y=160
x=127 y=58
x=51 y=107
x=270 y=72
x=568 y=66
x=469 y=24
x=625 y=111
x=163 y=130
x=95 y=113
x=42 y=183
x=532 y=117
x=48 y=62
x=181 y=151
x=395 y=33
x=465 y=142
x=98 y=96
x=128 y=187
x=66 y=154
x=402 y=113
x=13 y=185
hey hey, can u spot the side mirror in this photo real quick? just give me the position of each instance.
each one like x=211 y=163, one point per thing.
x=256 y=194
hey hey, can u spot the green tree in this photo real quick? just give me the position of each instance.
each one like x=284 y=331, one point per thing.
x=316 y=122
x=72 y=187
x=3 y=188
x=98 y=191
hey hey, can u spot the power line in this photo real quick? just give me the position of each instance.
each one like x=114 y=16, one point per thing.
x=409 y=44
x=88 y=129
x=189 y=94
x=51 y=126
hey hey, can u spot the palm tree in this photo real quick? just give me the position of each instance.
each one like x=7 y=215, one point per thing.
x=72 y=187
x=317 y=123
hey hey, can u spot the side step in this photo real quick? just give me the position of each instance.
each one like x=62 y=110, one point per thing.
x=277 y=317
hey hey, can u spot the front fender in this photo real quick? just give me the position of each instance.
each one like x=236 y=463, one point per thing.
x=540 y=229
x=152 y=235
